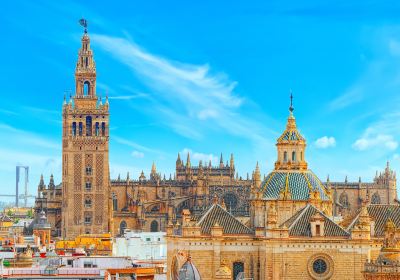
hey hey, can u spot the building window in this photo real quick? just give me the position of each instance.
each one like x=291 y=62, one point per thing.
x=103 y=129
x=88 y=170
x=122 y=227
x=318 y=230
x=88 y=186
x=74 y=129
x=154 y=226
x=294 y=156
x=115 y=202
x=238 y=270
x=80 y=129
x=97 y=129
x=376 y=199
x=88 y=126
x=88 y=203
x=344 y=200
x=319 y=266
x=284 y=156
x=86 y=88
x=88 y=220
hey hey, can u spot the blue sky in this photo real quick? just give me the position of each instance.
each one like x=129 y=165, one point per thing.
x=206 y=77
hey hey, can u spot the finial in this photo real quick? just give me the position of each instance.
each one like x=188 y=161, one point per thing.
x=83 y=23
x=291 y=109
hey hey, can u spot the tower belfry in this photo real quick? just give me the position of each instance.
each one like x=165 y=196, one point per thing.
x=86 y=180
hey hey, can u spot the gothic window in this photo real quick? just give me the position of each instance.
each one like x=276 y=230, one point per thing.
x=86 y=88
x=115 y=202
x=122 y=227
x=155 y=209
x=80 y=129
x=376 y=199
x=154 y=226
x=294 y=156
x=284 y=156
x=74 y=129
x=238 y=270
x=344 y=200
x=231 y=201
x=103 y=129
x=88 y=186
x=97 y=129
x=88 y=126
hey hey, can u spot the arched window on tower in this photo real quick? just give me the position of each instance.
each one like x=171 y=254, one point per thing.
x=88 y=126
x=376 y=199
x=154 y=226
x=115 y=202
x=74 y=129
x=97 y=129
x=284 y=156
x=80 y=128
x=87 y=62
x=103 y=129
x=86 y=88
x=294 y=156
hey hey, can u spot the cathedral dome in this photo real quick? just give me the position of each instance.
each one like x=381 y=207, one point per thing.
x=189 y=271
x=293 y=185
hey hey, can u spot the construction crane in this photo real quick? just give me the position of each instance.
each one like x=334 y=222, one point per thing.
x=18 y=196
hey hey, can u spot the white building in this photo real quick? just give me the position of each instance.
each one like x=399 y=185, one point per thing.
x=141 y=245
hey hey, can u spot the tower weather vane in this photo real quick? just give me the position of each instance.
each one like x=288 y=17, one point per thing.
x=83 y=22
x=291 y=102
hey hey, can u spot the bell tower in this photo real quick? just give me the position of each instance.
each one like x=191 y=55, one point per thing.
x=85 y=160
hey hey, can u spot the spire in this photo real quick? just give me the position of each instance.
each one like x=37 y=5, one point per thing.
x=291 y=108
x=41 y=183
x=153 y=168
x=221 y=161
x=188 y=160
x=85 y=72
x=232 y=162
x=178 y=161
x=51 y=183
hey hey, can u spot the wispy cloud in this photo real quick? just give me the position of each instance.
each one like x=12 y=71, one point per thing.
x=205 y=158
x=189 y=98
x=325 y=142
x=349 y=97
x=135 y=145
x=137 y=154
x=375 y=140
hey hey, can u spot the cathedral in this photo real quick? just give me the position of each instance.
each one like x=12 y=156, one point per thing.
x=286 y=225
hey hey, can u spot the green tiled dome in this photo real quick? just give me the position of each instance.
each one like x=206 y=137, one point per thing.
x=298 y=184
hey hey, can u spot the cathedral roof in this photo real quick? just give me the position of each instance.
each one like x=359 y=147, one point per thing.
x=299 y=224
x=381 y=214
x=293 y=185
x=216 y=215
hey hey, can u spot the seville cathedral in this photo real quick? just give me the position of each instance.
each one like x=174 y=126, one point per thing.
x=286 y=225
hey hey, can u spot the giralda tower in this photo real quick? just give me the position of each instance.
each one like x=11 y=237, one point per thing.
x=85 y=162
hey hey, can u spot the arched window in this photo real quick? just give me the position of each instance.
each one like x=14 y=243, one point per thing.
x=80 y=128
x=238 y=270
x=97 y=129
x=86 y=88
x=154 y=226
x=103 y=129
x=294 y=156
x=231 y=201
x=155 y=209
x=344 y=200
x=87 y=62
x=74 y=129
x=88 y=203
x=88 y=126
x=122 y=227
x=115 y=202
x=284 y=156
x=376 y=199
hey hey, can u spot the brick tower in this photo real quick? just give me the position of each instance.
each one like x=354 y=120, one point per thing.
x=85 y=165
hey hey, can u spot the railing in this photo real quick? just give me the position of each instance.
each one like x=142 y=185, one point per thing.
x=61 y=271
